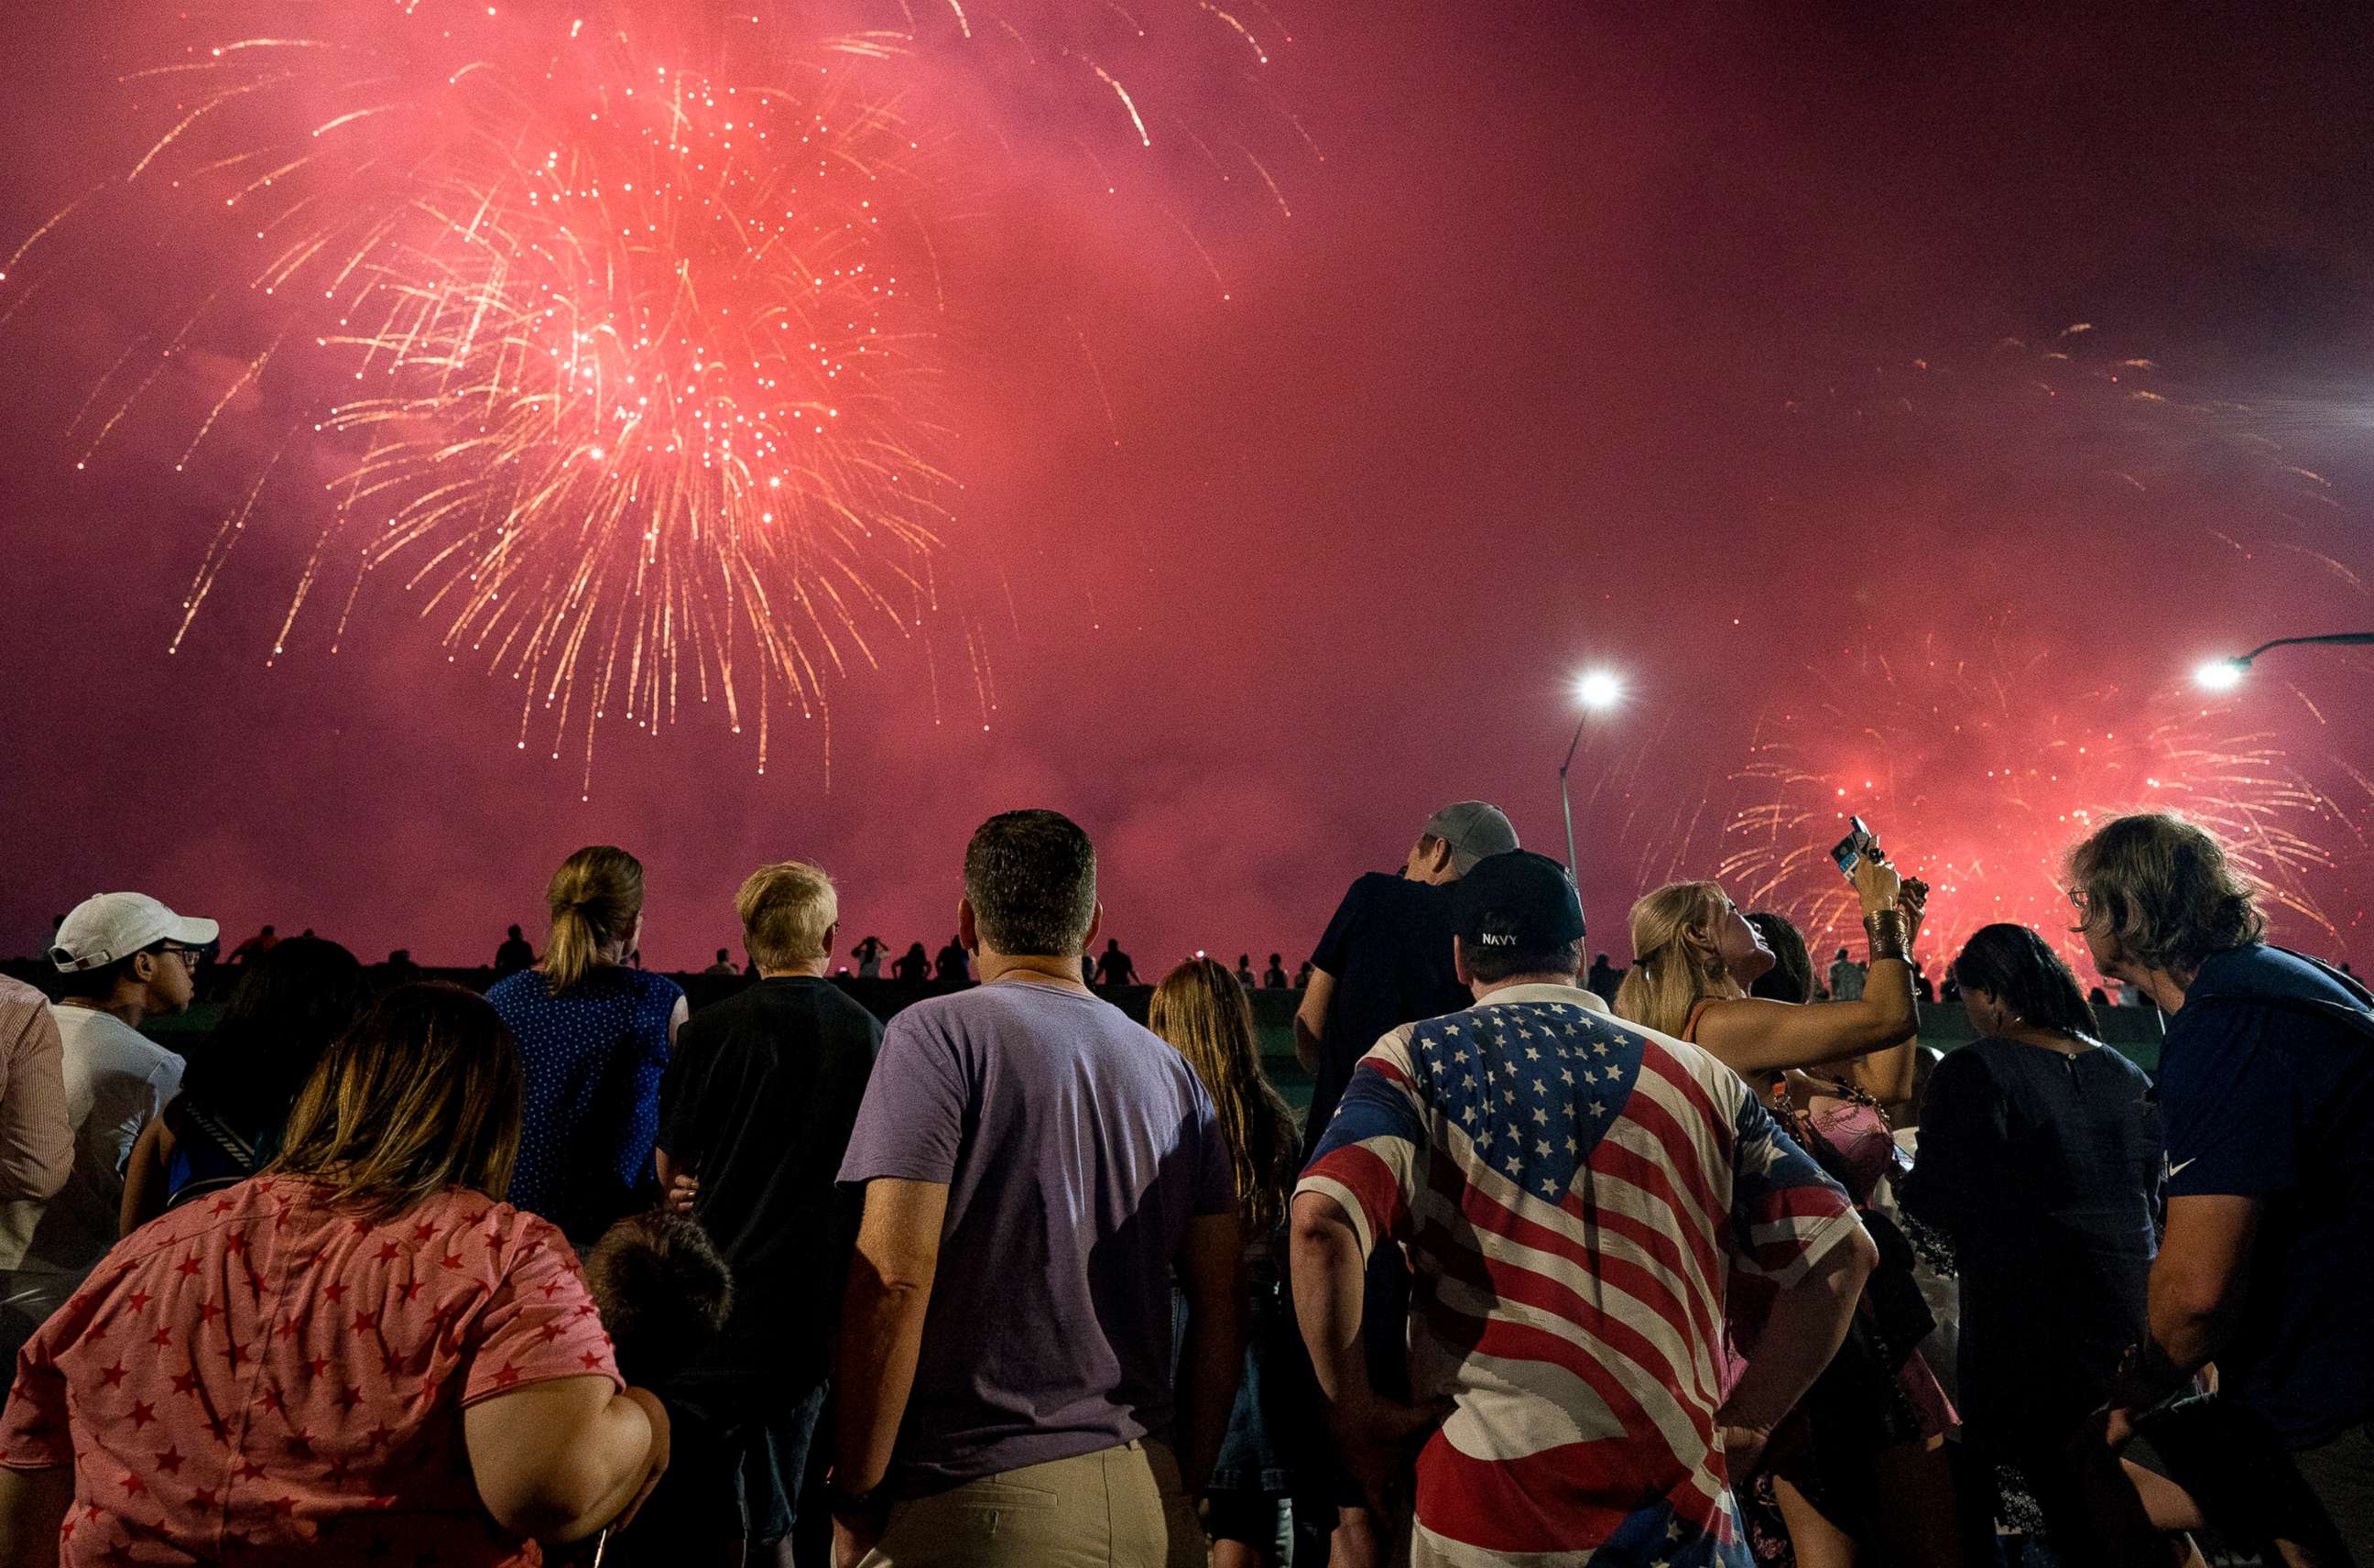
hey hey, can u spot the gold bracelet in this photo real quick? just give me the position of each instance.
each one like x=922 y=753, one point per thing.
x=1890 y=934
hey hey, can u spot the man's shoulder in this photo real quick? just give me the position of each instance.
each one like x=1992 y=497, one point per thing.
x=1388 y=889
x=1673 y=1060
x=105 y=1042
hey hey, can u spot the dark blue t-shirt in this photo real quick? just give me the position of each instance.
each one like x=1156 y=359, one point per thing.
x=2267 y=1091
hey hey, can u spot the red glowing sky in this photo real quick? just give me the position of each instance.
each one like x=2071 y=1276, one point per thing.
x=1668 y=338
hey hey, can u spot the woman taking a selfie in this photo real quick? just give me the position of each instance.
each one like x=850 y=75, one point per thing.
x=361 y=1355
x=1860 y=1463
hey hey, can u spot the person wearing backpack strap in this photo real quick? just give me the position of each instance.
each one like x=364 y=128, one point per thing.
x=2266 y=1096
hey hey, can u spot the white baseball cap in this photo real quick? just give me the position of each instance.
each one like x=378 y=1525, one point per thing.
x=106 y=927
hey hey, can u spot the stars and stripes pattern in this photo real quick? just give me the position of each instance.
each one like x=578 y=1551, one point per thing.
x=1572 y=1191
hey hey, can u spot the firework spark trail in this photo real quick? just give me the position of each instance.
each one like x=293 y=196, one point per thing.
x=1979 y=774
x=635 y=391
x=616 y=335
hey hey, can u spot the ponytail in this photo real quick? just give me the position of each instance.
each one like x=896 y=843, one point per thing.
x=594 y=898
x=1671 y=970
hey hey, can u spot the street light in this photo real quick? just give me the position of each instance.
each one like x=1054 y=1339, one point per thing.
x=2223 y=675
x=1594 y=691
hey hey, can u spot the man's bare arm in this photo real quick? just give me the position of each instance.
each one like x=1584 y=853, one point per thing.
x=1212 y=1272
x=1804 y=1330
x=2198 y=1286
x=1310 y=1019
x=882 y=1323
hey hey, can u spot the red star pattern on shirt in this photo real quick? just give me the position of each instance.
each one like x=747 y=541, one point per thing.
x=288 y=1425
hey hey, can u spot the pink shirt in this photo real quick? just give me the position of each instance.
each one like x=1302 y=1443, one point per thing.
x=36 y=1143
x=260 y=1378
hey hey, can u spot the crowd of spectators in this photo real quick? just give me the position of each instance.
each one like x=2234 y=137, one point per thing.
x=1671 y=1264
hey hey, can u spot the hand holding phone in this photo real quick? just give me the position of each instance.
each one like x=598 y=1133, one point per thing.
x=1851 y=849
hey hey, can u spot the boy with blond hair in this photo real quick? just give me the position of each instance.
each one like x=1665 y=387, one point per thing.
x=755 y=1112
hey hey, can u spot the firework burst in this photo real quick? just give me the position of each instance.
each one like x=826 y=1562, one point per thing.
x=636 y=402
x=1978 y=772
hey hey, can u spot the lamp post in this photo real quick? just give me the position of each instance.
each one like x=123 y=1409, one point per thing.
x=2223 y=675
x=1594 y=691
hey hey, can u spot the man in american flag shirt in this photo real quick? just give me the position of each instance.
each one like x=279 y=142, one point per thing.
x=1572 y=1192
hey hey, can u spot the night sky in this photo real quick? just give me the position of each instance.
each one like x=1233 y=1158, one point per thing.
x=1903 y=402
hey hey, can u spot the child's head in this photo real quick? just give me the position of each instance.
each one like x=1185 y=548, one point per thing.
x=663 y=1289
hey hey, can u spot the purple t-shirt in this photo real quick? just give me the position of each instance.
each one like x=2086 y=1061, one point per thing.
x=1075 y=1146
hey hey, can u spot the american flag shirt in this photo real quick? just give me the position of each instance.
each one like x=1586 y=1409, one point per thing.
x=1572 y=1191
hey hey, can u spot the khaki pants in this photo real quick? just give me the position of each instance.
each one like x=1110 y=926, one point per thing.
x=1119 y=1508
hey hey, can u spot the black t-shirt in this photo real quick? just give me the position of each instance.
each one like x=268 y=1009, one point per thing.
x=758 y=1100
x=1389 y=949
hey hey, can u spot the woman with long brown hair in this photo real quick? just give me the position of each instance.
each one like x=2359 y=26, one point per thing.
x=593 y=1033
x=1860 y=1464
x=1201 y=1010
x=360 y=1354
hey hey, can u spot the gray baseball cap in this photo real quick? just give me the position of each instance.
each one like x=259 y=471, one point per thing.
x=1473 y=828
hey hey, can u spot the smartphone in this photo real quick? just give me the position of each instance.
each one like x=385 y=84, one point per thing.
x=1848 y=851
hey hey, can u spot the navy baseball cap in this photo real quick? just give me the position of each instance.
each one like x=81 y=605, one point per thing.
x=1517 y=901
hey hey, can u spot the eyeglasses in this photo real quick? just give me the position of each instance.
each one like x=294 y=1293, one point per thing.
x=190 y=957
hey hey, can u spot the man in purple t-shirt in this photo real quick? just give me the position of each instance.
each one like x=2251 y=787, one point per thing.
x=1037 y=1170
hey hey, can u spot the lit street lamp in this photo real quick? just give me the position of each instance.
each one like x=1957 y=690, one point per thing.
x=2223 y=675
x=1594 y=691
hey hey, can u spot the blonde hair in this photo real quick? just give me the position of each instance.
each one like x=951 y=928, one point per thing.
x=594 y=898
x=421 y=1094
x=786 y=910
x=1675 y=964
x=1202 y=1011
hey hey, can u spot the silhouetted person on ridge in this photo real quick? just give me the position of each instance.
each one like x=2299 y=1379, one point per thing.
x=915 y=967
x=1274 y=977
x=951 y=969
x=1114 y=968
x=513 y=955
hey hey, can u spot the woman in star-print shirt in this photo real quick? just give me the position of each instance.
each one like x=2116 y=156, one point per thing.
x=359 y=1356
